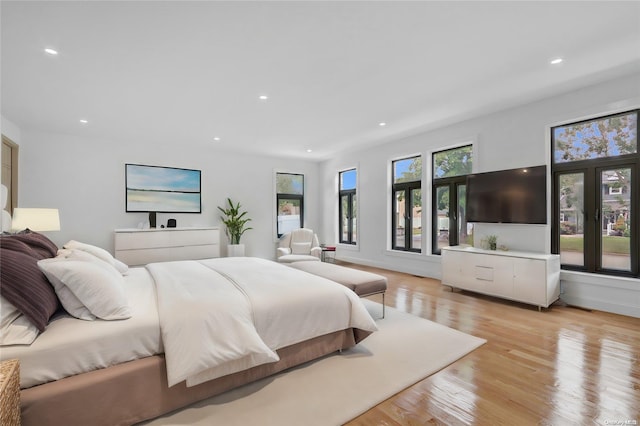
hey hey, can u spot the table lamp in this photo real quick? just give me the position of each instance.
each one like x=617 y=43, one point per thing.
x=35 y=219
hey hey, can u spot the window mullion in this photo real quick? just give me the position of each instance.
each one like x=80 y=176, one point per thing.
x=591 y=199
x=407 y=218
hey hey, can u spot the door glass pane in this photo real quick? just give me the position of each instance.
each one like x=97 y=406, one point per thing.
x=442 y=207
x=407 y=170
x=288 y=215
x=615 y=223
x=571 y=227
x=399 y=211
x=604 y=137
x=354 y=218
x=344 y=219
x=348 y=179
x=453 y=162
x=288 y=183
x=416 y=218
x=465 y=230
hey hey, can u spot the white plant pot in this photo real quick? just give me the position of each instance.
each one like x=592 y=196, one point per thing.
x=235 y=250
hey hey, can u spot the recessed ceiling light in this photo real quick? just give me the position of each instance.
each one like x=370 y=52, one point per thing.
x=382 y=124
x=263 y=97
x=216 y=138
x=84 y=121
x=556 y=61
x=51 y=51
x=309 y=150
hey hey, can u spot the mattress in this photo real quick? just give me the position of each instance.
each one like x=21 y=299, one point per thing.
x=70 y=346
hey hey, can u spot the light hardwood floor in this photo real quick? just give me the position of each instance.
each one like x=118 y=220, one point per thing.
x=562 y=366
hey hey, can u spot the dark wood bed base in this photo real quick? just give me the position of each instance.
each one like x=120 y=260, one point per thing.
x=135 y=391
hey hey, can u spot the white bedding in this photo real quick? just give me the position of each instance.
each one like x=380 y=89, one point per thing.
x=71 y=346
x=249 y=307
x=287 y=306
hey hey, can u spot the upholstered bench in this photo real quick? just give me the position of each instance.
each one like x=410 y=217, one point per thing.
x=361 y=282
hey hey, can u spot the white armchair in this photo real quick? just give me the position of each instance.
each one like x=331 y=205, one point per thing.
x=299 y=244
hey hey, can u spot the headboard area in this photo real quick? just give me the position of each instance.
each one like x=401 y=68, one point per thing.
x=5 y=220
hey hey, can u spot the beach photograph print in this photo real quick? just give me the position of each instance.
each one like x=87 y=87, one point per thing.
x=162 y=189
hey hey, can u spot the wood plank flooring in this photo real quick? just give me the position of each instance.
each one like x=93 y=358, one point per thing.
x=561 y=366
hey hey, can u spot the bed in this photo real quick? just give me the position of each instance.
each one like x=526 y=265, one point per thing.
x=191 y=330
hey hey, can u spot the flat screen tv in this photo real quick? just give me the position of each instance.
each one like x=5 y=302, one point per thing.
x=508 y=196
x=162 y=189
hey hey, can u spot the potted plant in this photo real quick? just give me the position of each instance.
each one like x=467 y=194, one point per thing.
x=236 y=224
x=492 y=241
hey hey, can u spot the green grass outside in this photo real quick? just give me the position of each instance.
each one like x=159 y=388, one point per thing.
x=615 y=245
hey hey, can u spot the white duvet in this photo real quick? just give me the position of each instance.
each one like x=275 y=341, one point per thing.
x=220 y=316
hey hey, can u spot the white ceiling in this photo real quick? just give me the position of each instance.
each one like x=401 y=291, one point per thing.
x=185 y=72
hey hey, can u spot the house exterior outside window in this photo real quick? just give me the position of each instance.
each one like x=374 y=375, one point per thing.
x=406 y=202
x=289 y=202
x=347 y=207
x=595 y=169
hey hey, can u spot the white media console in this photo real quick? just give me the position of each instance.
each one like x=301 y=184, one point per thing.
x=532 y=278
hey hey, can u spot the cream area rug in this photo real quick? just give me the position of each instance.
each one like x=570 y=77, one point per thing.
x=339 y=387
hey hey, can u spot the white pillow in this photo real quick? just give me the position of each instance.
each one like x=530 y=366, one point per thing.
x=100 y=253
x=15 y=328
x=69 y=301
x=99 y=287
x=300 y=248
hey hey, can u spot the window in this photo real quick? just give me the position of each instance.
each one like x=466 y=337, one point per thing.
x=348 y=207
x=407 y=205
x=450 y=168
x=615 y=191
x=595 y=194
x=289 y=202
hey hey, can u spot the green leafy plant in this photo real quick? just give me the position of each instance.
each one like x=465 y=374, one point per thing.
x=492 y=241
x=234 y=220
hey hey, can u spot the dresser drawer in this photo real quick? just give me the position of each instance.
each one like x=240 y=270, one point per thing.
x=139 y=247
x=165 y=238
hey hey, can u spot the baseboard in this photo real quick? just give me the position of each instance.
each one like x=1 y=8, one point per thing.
x=420 y=272
x=618 y=295
x=600 y=305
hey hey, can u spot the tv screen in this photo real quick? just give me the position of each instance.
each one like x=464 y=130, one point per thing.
x=162 y=189
x=508 y=196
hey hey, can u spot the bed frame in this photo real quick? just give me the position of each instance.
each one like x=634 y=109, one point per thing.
x=135 y=391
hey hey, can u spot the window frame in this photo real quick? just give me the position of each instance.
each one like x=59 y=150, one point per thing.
x=282 y=196
x=350 y=194
x=407 y=188
x=453 y=183
x=593 y=198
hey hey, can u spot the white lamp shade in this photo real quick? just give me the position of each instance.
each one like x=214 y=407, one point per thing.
x=35 y=219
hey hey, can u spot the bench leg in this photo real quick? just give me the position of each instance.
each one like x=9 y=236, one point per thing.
x=383 y=305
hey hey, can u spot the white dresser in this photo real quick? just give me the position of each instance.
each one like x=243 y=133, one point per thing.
x=532 y=278
x=141 y=246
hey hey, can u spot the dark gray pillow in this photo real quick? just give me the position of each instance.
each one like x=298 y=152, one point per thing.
x=42 y=246
x=23 y=284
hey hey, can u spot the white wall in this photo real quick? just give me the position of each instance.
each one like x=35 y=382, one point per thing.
x=84 y=179
x=513 y=138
